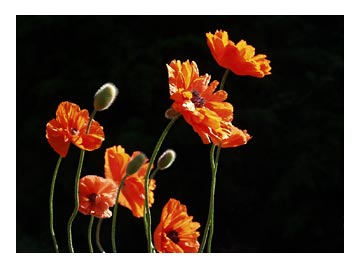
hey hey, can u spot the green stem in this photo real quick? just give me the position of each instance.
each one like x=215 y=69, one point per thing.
x=51 y=200
x=209 y=227
x=209 y=218
x=147 y=213
x=76 y=197
x=92 y=116
x=154 y=173
x=76 y=189
x=213 y=184
x=113 y=225
x=224 y=77
x=89 y=234
x=98 y=228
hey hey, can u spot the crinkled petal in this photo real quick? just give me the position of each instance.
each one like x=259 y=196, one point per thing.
x=175 y=220
x=237 y=138
x=93 y=139
x=96 y=196
x=132 y=195
x=57 y=138
x=239 y=58
x=70 y=125
x=116 y=161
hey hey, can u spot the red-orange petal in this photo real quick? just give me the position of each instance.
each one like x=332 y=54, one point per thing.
x=181 y=74
x=132 y=195
x=57 y=138
x=93 y=139
x=116 y=161
x=67 y=113
x=237 y=138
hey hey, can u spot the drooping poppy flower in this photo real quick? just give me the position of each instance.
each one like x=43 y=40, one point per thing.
x=176 y=232
x=240 y=58
x=70 y=126
x=132 y=194
x=96 y=196
x=196 y=99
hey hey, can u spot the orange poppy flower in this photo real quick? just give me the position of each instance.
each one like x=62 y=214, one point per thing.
x=239 y=58
x=196 y=99
x=70 y=126
x=176 y=231
x=96 y=196
x=132 y=194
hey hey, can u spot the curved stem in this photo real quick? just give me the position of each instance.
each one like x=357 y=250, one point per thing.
x=154 y=173
x=224 y=77
x=147 y=213
x=113 y=224
x=51 y=200
x=209 y=218
x=76 y=188
x=92 y=116
x=212 y=197
x=76 y=197
x=98 y=228
x=89 y=234
x=209 y=228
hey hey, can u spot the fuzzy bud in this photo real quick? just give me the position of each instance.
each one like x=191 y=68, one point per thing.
x=135 y=164
x=105 y=96
x=166 y=159
x=170 y=113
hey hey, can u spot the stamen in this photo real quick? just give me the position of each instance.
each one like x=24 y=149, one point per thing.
x=92 y=197
x=74 y=131
x=174 y=236
x=197 y=100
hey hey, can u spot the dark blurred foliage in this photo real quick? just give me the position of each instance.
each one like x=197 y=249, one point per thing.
x=282 y=192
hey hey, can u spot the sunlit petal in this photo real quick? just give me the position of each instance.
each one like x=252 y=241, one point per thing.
x=176 y=232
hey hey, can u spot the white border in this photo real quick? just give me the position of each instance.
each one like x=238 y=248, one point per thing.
x=10 y=9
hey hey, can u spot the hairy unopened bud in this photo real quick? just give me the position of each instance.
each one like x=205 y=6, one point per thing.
x=170 y=113
x=166 y=159
x=105 y=96
x=135 y=164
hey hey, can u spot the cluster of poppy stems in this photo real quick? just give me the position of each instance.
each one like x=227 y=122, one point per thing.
x=128 y=180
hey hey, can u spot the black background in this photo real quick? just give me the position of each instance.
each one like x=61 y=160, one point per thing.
x=282 y=192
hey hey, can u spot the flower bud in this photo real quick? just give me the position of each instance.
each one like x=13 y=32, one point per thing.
x=135 y=164
x=105 y=96
x=170 y=113
x=166 y=159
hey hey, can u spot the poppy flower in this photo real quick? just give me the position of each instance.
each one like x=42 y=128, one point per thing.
x=240 y=58
x=96 y=196
x=196 y=99
x=176 y=231
x=70 y=126
x=132 y=194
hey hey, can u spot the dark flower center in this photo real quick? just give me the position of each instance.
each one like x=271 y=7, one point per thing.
x=197 y=100
x=174 y=236
x=92 y=197
x=74 y=131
